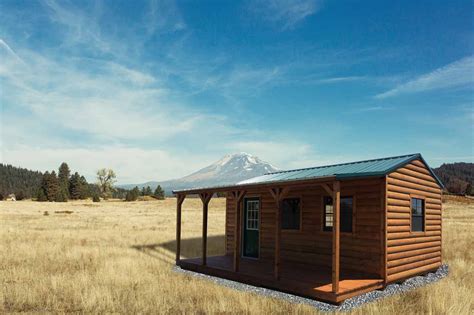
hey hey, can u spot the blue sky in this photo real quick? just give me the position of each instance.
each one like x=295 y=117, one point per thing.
x=158 y=89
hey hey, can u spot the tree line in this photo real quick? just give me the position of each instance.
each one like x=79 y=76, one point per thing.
x=133 y=194
x=65 y=185
x=458 y=178
x=22 y=182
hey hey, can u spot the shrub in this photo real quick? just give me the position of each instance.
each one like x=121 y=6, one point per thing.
x=20 y=195
x=131 y=196
x=1 y=196
x=95 y=198
x=41 y=196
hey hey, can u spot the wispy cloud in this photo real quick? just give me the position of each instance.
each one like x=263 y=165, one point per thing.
x=340 y=79
x=286 y=13
x=370 y=109
x=456 y=74
x=163 y=15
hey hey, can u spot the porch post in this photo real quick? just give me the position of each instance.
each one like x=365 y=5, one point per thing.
x=278 y=195
x=179 y=199
x=238 y=196
x=205 y=198
x=335 y=235
x=277 y=240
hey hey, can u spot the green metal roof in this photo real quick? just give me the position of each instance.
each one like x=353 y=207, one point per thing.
x=368 y=168
x=375 y=167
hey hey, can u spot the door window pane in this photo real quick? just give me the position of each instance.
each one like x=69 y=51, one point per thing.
x=252 y=208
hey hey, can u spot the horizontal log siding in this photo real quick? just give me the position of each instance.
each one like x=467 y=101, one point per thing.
x=360 y=251
x=410 y=253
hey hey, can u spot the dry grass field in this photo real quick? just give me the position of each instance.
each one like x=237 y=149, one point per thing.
x=117 y=257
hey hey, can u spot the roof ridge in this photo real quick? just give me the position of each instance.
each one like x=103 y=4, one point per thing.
x=346 y=163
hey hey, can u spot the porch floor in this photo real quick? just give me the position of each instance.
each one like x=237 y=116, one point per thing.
x=305 y=280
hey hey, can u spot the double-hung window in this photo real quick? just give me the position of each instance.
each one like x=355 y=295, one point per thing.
x=417 y=215
x=346 y=213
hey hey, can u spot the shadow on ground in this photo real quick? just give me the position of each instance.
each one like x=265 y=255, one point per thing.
x=190 y=247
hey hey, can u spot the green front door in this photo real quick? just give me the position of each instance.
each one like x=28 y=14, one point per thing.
x=251 y=227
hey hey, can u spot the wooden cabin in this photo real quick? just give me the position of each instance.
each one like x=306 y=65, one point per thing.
x=329 y=232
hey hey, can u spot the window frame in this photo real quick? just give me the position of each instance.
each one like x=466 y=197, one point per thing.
x=247 y=219
x=300 y=229
x=423 y=198
x=354 y=217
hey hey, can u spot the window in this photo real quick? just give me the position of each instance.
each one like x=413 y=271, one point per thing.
x=291 y=214
x=328 y=214
x=252 y=214
x=417 y=215
x=346 y=213
x=347 y=204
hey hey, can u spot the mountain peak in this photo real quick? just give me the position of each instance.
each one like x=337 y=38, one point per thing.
x=228 y=170
x=245 y=160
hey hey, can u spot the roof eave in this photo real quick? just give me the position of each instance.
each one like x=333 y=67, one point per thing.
x=193 y=191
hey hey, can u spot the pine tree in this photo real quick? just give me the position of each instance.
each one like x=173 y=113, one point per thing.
x=143 y=191
x=148 y=191
x=63 y=179
x=61 y=196
x=133 y=194
x=84 y=188
x=41 y=196
x=159 y=193
x=74 y=186
x=52 y=186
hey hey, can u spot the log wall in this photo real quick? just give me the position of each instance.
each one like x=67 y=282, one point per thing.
x=410 y=253
x=360 y=251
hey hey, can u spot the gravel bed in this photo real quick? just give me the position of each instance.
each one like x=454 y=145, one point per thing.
x=392 y=289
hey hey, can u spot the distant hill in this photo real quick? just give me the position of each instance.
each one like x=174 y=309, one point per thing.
x=228 y=170
x=17 y=180
x=458 y=178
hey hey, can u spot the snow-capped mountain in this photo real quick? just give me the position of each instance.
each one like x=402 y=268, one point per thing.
x=230 y=169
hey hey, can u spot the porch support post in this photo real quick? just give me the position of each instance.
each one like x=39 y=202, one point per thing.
x=336 y=235
x=237 y=196
x=205 y=198
x=179 y=203
x=278 y=195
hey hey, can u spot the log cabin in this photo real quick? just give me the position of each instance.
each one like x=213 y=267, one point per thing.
x=328 y=232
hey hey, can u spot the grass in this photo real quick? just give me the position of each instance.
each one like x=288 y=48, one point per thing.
x=117 y=257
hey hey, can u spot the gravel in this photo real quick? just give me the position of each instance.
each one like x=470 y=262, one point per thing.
x=357 y=301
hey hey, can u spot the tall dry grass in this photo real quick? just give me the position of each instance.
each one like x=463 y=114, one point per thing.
x=118 y=257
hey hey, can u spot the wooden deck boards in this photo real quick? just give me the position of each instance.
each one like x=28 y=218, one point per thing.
x=304 y=280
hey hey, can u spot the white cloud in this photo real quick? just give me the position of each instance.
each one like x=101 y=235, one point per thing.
x=111 y=111
x=106 y=100
x=80 y=26
x=287 y=13
x=456 y=74
x=132 y=165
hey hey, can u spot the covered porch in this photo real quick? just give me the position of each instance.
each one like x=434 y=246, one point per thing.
x=329 y=284
x=300 y=279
